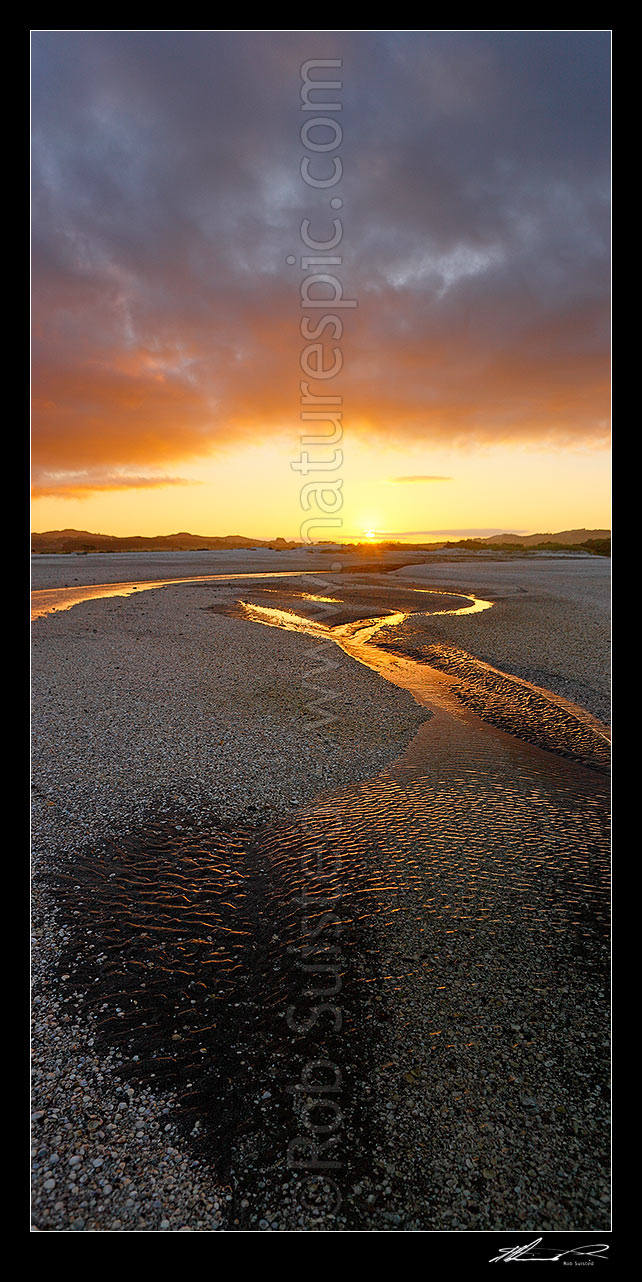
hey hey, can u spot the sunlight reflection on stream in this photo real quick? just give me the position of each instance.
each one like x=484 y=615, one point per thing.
x=360 y=630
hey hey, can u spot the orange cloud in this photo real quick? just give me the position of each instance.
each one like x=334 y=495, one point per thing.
x=167 y=200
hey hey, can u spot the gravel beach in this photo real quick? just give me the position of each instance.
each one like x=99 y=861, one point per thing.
x=160 y=713
x=146 y=707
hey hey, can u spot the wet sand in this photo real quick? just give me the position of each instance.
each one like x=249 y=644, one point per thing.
x=179 y=795
x=550 y=623
x=51 y=570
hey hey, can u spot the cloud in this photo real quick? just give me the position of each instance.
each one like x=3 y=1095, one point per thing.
x=62 y=484
x=405 y=480
x=167 y=197
x=395 y=534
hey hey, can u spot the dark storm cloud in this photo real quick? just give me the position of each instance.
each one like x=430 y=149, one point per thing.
x=167 y=195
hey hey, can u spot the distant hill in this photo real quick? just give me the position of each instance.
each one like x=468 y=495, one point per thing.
x=565 y=538
x=85 y=541
x=596 y=541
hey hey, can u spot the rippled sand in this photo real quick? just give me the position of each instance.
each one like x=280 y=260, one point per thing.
x=459 y=925
x=550 y=623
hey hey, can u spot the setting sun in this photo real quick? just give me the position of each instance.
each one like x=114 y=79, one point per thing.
x=370 y=526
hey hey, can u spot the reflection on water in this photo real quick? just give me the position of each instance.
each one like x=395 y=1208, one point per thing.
x=361 y=630
x=476 y=608
x=476 y=603
x=277 y=618
x=358 y=631
x=312 y=596
x=50 y=600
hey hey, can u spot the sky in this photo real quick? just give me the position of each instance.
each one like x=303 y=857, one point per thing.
x=473 y=204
